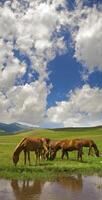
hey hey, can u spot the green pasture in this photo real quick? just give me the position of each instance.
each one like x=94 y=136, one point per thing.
x=50 y=169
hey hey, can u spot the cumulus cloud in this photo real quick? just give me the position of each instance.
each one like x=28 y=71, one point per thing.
x=34 y=29
x=88 y=38
x=26 y=103
x=83 y=108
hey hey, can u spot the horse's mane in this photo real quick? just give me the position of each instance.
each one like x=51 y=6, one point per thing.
x=19 y=144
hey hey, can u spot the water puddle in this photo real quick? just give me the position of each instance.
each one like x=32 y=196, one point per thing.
x=70 y=188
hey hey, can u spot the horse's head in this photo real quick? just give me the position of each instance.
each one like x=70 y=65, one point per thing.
x=97 y=153
x=15 y=159
x=96 y=150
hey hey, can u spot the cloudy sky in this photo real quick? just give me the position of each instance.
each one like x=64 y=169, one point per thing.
x=51 y=62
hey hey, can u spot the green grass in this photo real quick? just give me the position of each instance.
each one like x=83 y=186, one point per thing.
x=49 y=169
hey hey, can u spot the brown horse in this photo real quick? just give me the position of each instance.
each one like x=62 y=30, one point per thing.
x=29 y=144
x=88 y=143
x=54 y=146
x=72 y=145
x=85 y=143
x=66 y=146
x=44 y=153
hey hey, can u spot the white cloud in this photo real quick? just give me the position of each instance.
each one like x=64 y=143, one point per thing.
x=34 y=29
x=31 y=28
x=10 y=73
x=88 y=38
x=83 y=108
x=25 y=103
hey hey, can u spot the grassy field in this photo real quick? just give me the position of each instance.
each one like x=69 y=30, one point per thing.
x=50 y=169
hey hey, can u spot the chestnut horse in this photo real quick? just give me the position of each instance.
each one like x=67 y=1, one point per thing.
x=66 y=145
x=44 y=153
x=29 y=144
x=54 y=146
x=73 y=145
x=89 y=143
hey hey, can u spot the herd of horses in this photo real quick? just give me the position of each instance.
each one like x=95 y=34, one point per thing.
x=45 y=148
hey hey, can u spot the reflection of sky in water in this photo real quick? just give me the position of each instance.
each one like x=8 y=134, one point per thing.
x=6 y=191
x=70 y=188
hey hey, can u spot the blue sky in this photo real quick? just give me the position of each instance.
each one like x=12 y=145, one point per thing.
x=66 y=75
x=51 y=62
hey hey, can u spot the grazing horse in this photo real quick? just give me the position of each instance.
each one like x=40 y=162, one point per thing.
x=44 y=153
x=86 y=143
x=73 y=145
x=54 y=146
x=66 y=146
x=29 y=144
x=91 y=144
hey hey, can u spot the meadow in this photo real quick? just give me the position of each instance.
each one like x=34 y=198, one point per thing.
x=50 y=169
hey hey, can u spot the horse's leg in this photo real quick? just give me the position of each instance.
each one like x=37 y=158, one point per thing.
x=81 y=153
x=90 y=147
x=78 y=155
x=25 y=157
x=29 y=157
x=63 y=152
x=37 y=153
x=47 y=155
x=40 y=155
x=36 y=158
x=67 y=155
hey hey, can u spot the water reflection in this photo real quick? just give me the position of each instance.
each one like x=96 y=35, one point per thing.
x=25 y=190
x=73 y=183
x=69 y=188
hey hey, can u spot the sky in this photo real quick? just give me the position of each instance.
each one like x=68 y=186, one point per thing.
x=51 y=62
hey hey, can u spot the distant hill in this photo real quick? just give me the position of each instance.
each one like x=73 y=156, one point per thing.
x=13 y=127
x=75 y=128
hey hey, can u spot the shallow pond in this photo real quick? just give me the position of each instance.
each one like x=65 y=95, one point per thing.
x=70 y=188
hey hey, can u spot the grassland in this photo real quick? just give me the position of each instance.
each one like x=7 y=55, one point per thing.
x=49 y=169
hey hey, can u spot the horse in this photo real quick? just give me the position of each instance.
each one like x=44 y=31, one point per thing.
x=44 y=153
x=66 y=146
x=54 y=146
x=29 y=144
x=72 y=145
x=88 y=143
x=91 y=144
